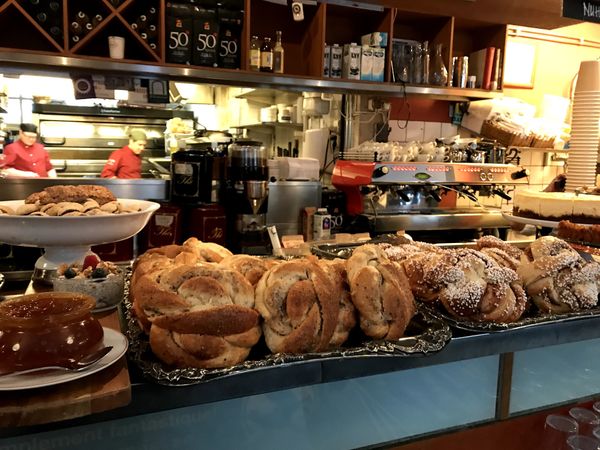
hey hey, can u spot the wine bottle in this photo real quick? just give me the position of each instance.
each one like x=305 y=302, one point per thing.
x=96 y=20
x=42 y=17
x=76 y=29
x=53 y=6
x=115 y=3
x=144 y=36
x=82 y=19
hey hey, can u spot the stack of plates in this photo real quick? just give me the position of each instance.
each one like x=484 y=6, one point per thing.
x=585 y=128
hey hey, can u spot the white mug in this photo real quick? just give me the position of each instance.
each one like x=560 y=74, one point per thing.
x=116 y=47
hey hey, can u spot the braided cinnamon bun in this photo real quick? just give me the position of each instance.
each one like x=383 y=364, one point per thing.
x=206 y=251
x=557 y=278
x=471 y=285
x=380 y=292
x=296 y=300
x=201 y=315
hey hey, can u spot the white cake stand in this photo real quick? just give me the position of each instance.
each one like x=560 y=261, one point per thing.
x=68 y=239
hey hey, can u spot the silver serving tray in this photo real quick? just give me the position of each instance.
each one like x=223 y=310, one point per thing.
x=524 y=322
x=426 y=334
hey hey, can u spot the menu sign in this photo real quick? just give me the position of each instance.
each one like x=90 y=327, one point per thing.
x=587 y=10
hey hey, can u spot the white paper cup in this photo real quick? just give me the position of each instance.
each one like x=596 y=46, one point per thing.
x=116 y=47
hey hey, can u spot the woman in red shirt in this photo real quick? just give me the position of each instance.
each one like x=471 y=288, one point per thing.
x=26 y=157
x=126 y=162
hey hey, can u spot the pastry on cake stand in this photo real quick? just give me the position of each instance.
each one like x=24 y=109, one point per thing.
x=67 y=239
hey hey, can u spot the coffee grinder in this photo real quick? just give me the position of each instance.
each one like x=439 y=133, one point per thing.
x=246 y=199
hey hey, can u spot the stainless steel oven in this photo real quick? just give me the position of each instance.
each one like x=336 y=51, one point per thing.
x=80 y=139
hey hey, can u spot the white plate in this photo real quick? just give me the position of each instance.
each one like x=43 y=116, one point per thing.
x=33 y=380
x=50 y=231
x=537 y=222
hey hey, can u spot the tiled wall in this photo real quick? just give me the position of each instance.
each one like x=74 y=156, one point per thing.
x=402 y=131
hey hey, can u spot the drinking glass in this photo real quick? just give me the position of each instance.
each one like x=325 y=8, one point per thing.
x=556 y=431
x=586 y=420
x=596 y=408
x=596 y=433
x=578 y=442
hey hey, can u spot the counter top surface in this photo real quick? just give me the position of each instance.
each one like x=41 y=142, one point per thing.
x=148 y=397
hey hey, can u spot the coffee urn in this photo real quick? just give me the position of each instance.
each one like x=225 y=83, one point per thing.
x=247 y=195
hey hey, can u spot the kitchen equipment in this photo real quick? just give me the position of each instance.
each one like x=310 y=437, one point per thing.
x=246 y=197
x=385 y=197
x=80 y=139
x=287 y=199
x=315 y=145
x=298 y=168
x=192 y=174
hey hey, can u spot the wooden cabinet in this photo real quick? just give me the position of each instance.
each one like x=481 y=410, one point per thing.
x=83 y=27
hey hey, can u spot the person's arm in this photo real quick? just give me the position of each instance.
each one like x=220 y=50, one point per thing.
x=49 y=167
x=11 y=172
x=112 y=166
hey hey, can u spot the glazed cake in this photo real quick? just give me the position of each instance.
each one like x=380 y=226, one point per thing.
x=557 y=206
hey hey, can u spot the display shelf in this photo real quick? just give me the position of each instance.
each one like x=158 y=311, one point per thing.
x=50 y=64
x=272 y=125
x=268 y=96
x=303 y=41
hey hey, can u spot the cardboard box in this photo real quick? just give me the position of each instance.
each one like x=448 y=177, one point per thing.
x=378 y=70
x=366 y=63
x=351 y=65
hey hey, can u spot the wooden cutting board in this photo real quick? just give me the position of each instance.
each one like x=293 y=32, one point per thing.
x=104 y=390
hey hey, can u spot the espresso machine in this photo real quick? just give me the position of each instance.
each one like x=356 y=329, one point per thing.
x=427 y=199
x=246 y=198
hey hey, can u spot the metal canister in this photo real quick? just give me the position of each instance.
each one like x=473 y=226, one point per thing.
x=192 y=175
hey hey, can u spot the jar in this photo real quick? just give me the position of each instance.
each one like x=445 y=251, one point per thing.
x=191 y=174
x=248 y=161
x=45 y=329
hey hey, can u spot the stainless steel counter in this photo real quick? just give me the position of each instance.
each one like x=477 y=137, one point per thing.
x=140 y=189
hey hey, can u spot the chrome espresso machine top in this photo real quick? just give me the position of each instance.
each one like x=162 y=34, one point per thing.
x=426 y=196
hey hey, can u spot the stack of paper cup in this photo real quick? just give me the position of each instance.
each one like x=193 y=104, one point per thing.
x=585 y=128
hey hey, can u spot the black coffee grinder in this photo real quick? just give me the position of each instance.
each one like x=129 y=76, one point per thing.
x=247 y=198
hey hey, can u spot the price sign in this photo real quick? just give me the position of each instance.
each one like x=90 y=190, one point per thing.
x=587 y=10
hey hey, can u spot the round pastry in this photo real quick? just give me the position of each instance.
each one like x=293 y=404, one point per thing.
x=202 y=315
x=208 y=251
x=557 y=278
x=296 y=300
x=336 y=269
x=380 y=292
x=501 y=257
x=473 y=286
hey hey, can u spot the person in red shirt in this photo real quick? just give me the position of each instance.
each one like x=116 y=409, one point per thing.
x=26 y=158
x=126 y=162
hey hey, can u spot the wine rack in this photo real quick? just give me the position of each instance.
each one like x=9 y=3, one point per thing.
x=143 y=19
x=48 y=15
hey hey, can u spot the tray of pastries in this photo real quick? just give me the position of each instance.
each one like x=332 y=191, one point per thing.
x=496 y=286
x=196 y=312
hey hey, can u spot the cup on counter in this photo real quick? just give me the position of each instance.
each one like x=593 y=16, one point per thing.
x=557 y=429
x=116 y=47
x=424 y=157
x=586 y=420
x=578 y=442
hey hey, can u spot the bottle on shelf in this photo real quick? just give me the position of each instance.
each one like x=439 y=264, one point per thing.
x=96 y=20
x=115 y=3
x=439 y=73
x=82 y=18
x=266 y=56
x=41 y=17
x=278 y=54
x=76 y=29
x=254 y=53
x=426 y=60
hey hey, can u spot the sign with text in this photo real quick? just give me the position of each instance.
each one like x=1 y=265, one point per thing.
x=588 y=10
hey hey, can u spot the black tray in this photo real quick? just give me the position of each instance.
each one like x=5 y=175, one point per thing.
x=426 y=334
x=524 y=322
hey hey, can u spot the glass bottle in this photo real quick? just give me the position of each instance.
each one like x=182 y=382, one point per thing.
x=278 y=54
x=426 y=59
x=439 y=73
x=266 y=56
x=404 y=64
x=254 y=53
x=417 y=65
